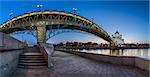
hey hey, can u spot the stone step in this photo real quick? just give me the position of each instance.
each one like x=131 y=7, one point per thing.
x=32 y=49
x=31 y=67
x=32 y=61
x=31 y=53
x=32 y=64
x=31 y=58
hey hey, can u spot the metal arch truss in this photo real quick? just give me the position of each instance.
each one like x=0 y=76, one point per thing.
x=49 y=33
x=53 y=20
x=33 y=32
x=52 y=33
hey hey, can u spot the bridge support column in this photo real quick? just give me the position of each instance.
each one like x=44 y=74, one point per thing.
x=41 y=34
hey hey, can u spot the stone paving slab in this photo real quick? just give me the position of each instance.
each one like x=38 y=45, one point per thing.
x=44 y=72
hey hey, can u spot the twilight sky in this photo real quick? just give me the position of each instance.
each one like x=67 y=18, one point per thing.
x=130 y=18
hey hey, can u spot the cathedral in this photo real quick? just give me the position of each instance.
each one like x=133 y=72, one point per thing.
x=117 y=37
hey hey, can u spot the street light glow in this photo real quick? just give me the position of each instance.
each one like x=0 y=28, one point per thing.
x=11 y=13
x=74 y=10
x=92 y=18
x=39 y=6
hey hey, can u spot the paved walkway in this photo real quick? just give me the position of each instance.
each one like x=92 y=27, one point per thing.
x=45 y=72
x=68 y=65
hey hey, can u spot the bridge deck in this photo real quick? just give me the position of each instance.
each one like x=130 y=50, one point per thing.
x=68 y=65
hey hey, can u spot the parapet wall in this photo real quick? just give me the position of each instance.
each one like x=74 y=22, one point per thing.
x=9 y=62
x=141 y=63
x=10 y=49
x=8 y=42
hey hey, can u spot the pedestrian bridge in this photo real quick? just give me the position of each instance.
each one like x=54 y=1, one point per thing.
x=41 y=21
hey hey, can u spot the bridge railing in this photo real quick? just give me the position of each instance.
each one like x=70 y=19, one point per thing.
x=47 y=50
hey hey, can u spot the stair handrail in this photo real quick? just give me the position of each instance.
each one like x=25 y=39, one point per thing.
x=47 y=50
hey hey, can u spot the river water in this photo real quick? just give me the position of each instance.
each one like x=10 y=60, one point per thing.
x=144 y=53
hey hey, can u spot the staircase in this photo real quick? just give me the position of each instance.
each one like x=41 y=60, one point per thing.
x=32 y=58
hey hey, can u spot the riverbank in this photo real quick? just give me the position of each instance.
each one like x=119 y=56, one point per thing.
x=98 y=47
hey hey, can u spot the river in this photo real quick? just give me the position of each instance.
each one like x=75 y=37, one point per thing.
x=144 y=53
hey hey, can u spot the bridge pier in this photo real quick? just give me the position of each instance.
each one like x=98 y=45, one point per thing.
x=41 y=34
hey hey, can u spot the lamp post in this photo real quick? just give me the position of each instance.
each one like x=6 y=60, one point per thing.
x=74 y=10
x=92 y=18
x=39 y=6
x=11 y=13
x=3 y=42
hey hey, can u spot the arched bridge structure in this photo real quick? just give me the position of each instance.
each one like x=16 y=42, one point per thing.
x=46 y=20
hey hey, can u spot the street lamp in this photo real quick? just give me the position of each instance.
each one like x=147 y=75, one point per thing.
x=3 y=41
x=92 y=19
x=74 y=10
x=11 y=13
x=39 y=6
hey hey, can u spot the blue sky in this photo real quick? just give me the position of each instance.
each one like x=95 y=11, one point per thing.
x=130 y=18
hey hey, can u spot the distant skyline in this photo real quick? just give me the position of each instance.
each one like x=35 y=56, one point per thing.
x=130 y=18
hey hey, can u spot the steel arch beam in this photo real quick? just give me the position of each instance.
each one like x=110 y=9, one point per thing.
x=55 y=20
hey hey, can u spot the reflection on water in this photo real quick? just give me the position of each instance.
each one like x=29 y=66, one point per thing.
x=145 y=53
